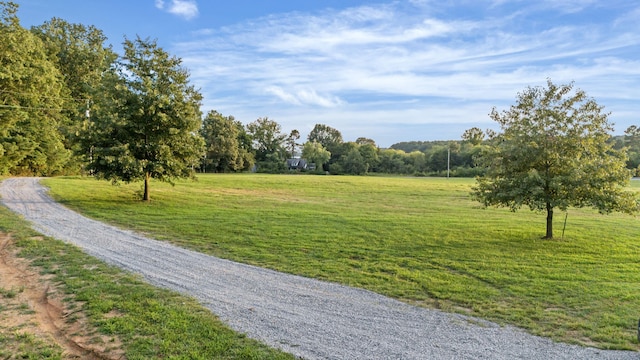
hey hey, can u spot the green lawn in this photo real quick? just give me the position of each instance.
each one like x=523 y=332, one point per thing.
x=422 y=240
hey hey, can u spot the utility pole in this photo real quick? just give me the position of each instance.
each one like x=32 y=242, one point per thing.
x=448 y=159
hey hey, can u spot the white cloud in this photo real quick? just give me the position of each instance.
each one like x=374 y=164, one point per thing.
x=423 y=64
x=283 y=95
x=304 y=97
x=187 y=9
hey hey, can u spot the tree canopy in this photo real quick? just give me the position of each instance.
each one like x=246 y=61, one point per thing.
x=553 y=153
x=269 y=144
x=146 y=123
x=315 y=153
x=80 y=54
x=32 y=98
x=224 y=151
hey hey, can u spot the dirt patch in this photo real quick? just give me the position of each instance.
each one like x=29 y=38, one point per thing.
x=32 y=306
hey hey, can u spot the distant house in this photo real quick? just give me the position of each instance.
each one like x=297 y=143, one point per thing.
x=298 y=164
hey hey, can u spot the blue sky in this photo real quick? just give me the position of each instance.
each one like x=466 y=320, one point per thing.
x=388 y=70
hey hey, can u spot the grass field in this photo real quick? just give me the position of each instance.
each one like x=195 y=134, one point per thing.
x=422 y=240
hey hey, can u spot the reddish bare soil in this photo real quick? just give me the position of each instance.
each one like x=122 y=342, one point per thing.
x=35 y=307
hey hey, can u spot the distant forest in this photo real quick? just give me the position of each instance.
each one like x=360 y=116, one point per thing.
x=463 y=153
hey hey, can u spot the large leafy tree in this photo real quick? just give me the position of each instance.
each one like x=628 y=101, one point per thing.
x=330 y=139
x=325 y=135
x=269 y=144
x=224 y=151
x=353 y=162
x=32 y=99
x=315 y=153
x=146 y=121
x=369 y=152
x=553 y=153
x=80 y=54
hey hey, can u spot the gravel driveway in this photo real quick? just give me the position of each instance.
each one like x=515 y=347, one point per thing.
x=309 y=318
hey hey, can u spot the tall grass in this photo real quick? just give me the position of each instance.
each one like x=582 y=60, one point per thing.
x=421 y=240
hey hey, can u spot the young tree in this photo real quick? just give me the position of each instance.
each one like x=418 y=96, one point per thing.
x=330 y=139
x=146 y=123
x=553 y=153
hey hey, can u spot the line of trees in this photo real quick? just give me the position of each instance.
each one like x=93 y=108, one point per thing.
x=69 y=104
x=136 y=117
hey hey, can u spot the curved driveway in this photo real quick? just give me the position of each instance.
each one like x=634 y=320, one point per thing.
x=308 y=318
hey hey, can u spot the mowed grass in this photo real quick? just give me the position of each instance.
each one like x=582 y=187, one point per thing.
x=421 y=240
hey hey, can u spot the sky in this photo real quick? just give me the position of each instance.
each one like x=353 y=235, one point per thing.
x=391 y=71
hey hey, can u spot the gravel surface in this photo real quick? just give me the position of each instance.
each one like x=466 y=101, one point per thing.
x=309 y=318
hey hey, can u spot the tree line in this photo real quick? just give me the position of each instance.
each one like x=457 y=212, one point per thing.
x=69 y=104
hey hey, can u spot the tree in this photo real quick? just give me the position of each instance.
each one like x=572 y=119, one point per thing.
x=147 y=120
x=292 y=144
x=223 y=151
x=353 y=163
x=267 y=138
x=245 y=144
x=474 y=135
x=325 y=135
x=418 y=161
x=315 y=153
x=80 y=54
x=392 y=161
x=553 y=153
x=365 y=141
x=269 y=145
x=329 y=138
x=632 y=142
x=32 y=98
x=369 y=152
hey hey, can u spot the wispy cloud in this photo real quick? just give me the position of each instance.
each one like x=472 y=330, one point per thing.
x=304 y=97
x=416 y=62
x=187 y=9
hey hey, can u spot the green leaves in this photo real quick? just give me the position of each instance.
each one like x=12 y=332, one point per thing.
x=224 y=150
x=315 y=153
x=32 y=98
x=553 y=153
x=146 y=121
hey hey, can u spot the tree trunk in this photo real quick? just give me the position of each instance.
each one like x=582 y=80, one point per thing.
x=549 y=222
x=146 y=197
